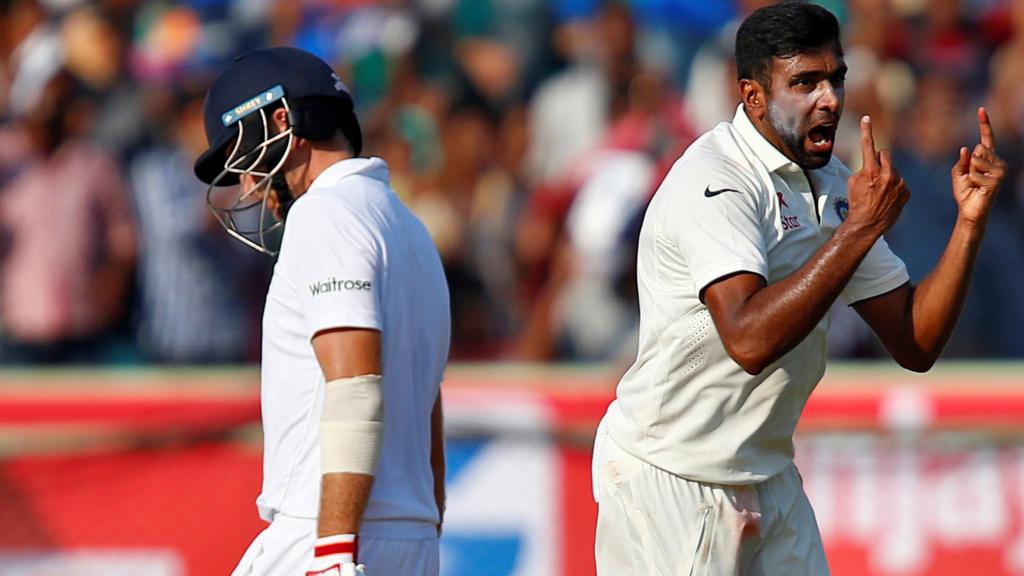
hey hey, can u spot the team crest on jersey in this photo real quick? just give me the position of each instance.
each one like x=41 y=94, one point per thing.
x=842 y=207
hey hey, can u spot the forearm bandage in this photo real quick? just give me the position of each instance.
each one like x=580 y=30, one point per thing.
x=350 y=425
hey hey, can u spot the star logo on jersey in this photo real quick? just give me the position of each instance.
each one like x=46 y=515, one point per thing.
x=842 y=208
x=782 y=199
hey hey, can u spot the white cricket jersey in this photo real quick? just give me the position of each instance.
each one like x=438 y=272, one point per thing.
x=354 y=256
x=732 y=203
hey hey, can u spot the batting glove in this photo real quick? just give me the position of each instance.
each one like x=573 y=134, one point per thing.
x=336 y=556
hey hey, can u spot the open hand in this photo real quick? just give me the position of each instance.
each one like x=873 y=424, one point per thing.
x=877 y=193
x=978 y=175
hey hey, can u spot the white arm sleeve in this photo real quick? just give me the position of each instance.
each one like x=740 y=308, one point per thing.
x=351 y=425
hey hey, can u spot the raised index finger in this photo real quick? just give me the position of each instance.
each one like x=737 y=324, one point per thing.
x=988 y=139
x=867 y=143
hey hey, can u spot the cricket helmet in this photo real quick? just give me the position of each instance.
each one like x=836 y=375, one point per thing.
x=243 y=139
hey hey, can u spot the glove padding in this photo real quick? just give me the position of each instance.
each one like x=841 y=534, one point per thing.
x=336 y=555
x=346 y=569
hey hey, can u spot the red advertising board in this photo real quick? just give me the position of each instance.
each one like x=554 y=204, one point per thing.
x=155 y=473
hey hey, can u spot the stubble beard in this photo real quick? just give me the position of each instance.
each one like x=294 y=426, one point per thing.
x=789 y=136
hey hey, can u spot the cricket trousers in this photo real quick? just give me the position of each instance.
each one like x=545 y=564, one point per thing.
x=654 y=523
x=285 y=548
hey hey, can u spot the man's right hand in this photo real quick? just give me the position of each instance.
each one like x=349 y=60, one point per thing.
x=877 y=193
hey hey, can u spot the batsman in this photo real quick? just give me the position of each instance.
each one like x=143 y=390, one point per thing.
x=355 y=326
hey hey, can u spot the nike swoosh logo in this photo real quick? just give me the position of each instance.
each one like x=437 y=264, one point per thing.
x=709 y=193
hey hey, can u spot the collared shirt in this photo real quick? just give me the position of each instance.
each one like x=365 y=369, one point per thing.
x=354 y=256
x=732 y=203
x=62 y=218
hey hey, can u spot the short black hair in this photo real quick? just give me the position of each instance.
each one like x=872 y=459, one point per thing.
x=781 y=31
x=320 y=118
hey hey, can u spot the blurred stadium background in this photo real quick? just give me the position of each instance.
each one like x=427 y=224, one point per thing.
x=528 y=135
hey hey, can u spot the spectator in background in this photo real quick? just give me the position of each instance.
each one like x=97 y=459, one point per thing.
x=481 y=178
x=586 y=222
x=95 y=54
x=1005 y=89
x=599 y=238
x=456 y=155
x=1004 y=92
x=32 y=53
x=447 y=205
x=569 y=118
x=711 y=87
x=598 y=247
x=879 y=84
x=199 y=290
x=989 y=323
x=944 y=39
x=495 y=117
x=923 y=156
x=572 y=108
x=68 y=237
x=499 y=200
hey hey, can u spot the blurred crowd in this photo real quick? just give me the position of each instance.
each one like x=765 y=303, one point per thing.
x=527 y=134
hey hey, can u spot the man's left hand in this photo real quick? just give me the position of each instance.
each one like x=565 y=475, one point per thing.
x=978 y=175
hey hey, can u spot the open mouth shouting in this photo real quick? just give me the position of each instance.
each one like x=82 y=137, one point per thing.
x=821 y=138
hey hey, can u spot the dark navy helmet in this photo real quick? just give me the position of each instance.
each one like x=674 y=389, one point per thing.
x=243 y=140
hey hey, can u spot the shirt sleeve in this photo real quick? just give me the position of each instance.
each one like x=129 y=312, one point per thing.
x=881 y=271
x=333 y=261
x=716 y=216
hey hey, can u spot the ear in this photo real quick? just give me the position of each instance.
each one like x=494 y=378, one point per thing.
x=754 y=98
x=280 y=119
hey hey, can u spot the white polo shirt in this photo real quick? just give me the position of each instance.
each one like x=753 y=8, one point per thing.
x=732 y=203
x=354 y=256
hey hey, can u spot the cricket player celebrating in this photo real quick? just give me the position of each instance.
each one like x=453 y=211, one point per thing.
x=751 y=237
x=355 y=328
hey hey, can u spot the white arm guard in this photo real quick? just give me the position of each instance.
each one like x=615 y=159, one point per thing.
x=350 y=425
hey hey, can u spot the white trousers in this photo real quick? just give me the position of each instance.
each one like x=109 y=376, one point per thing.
x=285 y=548
x=652 y=522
